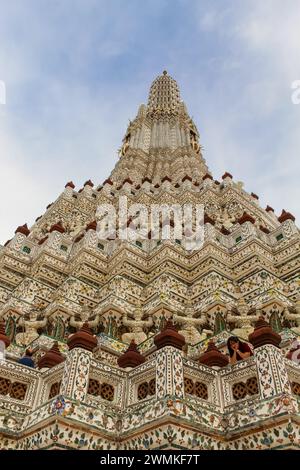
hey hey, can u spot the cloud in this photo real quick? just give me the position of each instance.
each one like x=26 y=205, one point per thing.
x=250 y=126
x=76 y=71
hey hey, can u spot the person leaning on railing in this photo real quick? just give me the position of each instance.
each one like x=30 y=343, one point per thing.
x=238 y=350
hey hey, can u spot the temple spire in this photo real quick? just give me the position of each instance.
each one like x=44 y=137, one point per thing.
x=162 y=140
x=164 y=94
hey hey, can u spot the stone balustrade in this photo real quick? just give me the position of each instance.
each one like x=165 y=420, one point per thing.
x=167 y=386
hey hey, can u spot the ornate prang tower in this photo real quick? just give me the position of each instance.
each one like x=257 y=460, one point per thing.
x=162 y=141
x=78 y=302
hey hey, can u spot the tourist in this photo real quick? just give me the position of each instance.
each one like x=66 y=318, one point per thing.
x=238 y=350
x=27 y=360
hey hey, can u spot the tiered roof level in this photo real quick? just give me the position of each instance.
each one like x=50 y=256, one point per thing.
x=57 y=277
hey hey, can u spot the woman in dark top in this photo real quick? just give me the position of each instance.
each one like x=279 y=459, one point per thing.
x=238 y=350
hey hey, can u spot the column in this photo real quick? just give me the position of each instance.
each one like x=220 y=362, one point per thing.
x=75 y=379
x=169 y=373
x=272 y=374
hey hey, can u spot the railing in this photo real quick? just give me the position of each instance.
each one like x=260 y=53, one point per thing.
x=19 y=386
x=106 y=383
x=239 y=381
x=293 y=370
x=165 y=386
x=141 y=383
x=201 y=382
x=50 y=383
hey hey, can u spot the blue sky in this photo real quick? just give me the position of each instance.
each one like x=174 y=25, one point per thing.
x=77 y=70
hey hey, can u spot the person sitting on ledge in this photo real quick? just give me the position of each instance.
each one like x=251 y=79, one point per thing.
x=26 y=360
x=238 y=350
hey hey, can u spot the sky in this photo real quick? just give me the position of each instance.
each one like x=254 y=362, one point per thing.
x=76 y=71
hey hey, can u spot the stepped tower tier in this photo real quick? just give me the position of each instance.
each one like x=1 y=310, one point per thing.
x=64 y=268
x=162 y=141
x=58 y=277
